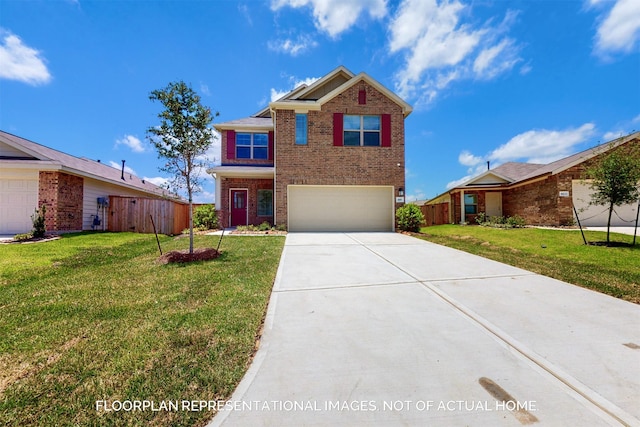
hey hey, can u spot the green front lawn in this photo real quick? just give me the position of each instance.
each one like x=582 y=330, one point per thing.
x=93 y=317
x=560 y=254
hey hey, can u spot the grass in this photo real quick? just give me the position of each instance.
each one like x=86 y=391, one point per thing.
x=93 y=317
x=560 y=254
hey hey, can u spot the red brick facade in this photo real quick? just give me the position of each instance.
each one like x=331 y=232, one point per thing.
x=319 y=162
x=62 y=194
x=252 y=185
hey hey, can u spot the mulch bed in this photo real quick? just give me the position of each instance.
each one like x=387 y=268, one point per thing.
x=259 y=233
x=199 y=254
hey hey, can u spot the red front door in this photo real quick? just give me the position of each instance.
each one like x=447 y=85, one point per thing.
x=238 y=207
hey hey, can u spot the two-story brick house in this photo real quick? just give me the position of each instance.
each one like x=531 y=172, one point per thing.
x=325 y=157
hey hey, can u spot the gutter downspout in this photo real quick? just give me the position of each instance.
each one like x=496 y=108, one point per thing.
x=462 y=208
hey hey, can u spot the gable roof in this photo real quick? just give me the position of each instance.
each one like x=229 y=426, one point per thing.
x=25 y=153
x=330 y=86
x=514 y=173
x=312 y=97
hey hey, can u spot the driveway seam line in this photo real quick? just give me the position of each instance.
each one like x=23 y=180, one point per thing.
x=605 y=405
x=608 y=407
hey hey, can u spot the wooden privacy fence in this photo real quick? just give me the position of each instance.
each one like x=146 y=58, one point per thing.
x=134 y=214
x=437 y=214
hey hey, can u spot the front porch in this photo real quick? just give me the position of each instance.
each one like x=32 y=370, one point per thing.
x=244 y=195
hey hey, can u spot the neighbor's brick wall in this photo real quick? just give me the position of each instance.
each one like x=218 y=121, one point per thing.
x=320 y=163
x=469 y=218
x=539 y=203
x=253 y=185
x=62 y=194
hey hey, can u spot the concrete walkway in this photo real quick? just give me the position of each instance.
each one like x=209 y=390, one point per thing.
x=367 y=329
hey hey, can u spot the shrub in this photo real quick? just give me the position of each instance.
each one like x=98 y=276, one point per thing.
x=39 y=229
x=265 y=226
x=205 y=217
x=516 y=221
x=23 y=236
x=409 y=217
x=481 y=218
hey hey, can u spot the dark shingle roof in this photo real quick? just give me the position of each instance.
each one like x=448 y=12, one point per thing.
x=77 y=165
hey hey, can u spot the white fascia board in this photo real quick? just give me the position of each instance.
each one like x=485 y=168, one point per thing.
x=47 y=165
x=299 y=106
x=246 y=128
x=242 y=172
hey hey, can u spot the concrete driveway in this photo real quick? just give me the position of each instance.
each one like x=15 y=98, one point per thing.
x=367 y=329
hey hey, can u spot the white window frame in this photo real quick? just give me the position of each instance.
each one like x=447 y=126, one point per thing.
x=362 y=130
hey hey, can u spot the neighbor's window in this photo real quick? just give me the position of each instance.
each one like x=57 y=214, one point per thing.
x=252 y=146
x=362 y=131
x=301 y=129
x=265 y=202
x=471 y=204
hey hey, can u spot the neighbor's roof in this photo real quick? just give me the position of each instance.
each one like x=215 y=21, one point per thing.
x=41 y=157
x=516 y=173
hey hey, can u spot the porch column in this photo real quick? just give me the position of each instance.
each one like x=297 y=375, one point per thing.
x=462 y=208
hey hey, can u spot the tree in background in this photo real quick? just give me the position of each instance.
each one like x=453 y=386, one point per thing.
x=182 y=139
x=615 y=179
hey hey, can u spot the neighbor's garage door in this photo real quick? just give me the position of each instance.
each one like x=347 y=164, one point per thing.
x=596 y=215
x=340 y=208
x=18 y=201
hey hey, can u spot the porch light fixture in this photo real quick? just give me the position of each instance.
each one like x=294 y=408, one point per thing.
x=400 y=191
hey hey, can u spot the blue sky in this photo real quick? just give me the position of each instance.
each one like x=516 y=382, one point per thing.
x=489 y=80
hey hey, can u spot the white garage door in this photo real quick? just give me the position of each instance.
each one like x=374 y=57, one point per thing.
x=340 y=208
x=596 y=215
x=18 y=201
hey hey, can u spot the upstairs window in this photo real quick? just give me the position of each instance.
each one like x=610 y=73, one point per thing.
x=252 y=146
x=301 y=129
x=361 y=130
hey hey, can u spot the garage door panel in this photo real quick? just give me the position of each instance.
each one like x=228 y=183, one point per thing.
x=18 y=201
x=340 y=208
x=597 y=215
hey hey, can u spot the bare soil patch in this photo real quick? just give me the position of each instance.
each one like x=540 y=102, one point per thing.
x=199 y=254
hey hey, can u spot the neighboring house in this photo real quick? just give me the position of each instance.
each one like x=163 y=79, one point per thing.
x=325 y=157
x=72 y=189
x=541 y=194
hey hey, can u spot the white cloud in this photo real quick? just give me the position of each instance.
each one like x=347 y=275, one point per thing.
x=158 y=180
x=336 y=16
x=619 y=30
x=535 y=146
x=132 y=142
x=205 y=89
x=21 y=62
x=440 y=49
x=458 y=182
x=295 y=47
x=542 y=146
x=244 y=10
x=467 y=159
x=277 y=94
x=118 y=166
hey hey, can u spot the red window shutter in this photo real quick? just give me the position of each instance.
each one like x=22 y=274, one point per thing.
x=271 y=145
x=386 y=130
x=337 y=129
x=362 y=97
x=231 y=144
